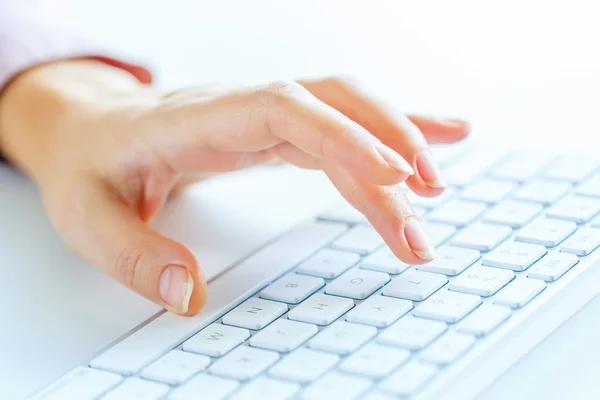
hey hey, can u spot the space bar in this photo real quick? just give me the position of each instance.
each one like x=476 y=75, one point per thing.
x=169 y=330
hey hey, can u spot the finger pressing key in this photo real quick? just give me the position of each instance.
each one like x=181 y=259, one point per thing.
x=390 y=213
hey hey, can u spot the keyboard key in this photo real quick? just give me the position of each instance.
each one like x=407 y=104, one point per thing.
x=378 y=395
x=267 y=389
x=590 y=187
x=81 y=384
x=283 y=335
x=360 y=239
x=168 y=330
x=342 y=211
x=448 y=348
x=470 y=167
x=383 y=260
x=484 y=319
x=414 y=285
x=292 y=288
x=438 y=233
x=342 y=337
x=357 y=283
x=552 y=266
x=543 y=191
x=211 y=387
x=521 y=167
x=483 y=281
x=572 y=168
x=137 y=389
x=321 y=309
x=429 y=202
x=254 y=313
x=409 y=378
x=514 y=255
x=244 y=363
x=447 y=306
x=488 y=191
x=595 y=222
x=216 y=340
x=545 y=231
x=379 y=311
x=519 y=292
x=450 y=260
x=412 y=333
x=578 y=209
x=304 y=365
x=457 y=212
x=336 y=386
x=481 y=236
x=176 y=367
x=328 y=263
x=374 y=360
x=582 y=242
x=513 y=213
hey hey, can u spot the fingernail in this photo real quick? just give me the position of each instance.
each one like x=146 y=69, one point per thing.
x=394 y=159
x=455 y=123
x=176 y=286
x=417 y=240
x=429 y=170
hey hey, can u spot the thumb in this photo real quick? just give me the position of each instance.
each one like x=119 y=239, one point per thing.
x=113 y=237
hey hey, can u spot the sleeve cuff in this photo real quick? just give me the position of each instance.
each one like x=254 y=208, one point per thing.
x=27 y=40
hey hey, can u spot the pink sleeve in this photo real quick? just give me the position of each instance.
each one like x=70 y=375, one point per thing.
x=27 y=38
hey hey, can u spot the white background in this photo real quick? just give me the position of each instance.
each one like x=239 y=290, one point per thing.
x=521 y=71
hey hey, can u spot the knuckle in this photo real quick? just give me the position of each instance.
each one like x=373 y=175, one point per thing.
x=128 y=264
x=281 y=92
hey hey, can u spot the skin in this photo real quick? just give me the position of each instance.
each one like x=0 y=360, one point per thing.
x=107 y=151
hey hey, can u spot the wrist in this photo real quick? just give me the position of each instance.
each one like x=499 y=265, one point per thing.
x=43 y=108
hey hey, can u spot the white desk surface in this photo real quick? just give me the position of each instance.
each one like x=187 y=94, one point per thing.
x=521 y=71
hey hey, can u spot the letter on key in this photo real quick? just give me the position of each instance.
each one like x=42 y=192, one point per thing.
x=450 y=260
x=244 y=363
x=283 y=335
x=414 y=285
x=357 y=283
x=583 y=242
x=254 y=313
x=448 y=306
x=412 y=333
x=292 y=288
x=552 y=266
x=216 y=340
x=342 y=337
x=484 y=281
x=379 y=311
x=321 y=309
x=514 y=255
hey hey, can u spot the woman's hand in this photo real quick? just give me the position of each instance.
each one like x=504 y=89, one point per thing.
x=106 y=152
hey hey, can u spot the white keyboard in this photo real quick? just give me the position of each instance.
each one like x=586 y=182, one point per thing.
x=327 y=311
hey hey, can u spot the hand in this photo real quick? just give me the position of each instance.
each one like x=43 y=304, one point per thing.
x=106 y=153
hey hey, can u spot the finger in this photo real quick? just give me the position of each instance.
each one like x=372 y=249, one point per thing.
x=390 y=213
x=441 y=130
x=113 y=237
x=259 y=118
x=392 y=127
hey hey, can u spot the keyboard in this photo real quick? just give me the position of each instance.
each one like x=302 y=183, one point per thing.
x=326 y=311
